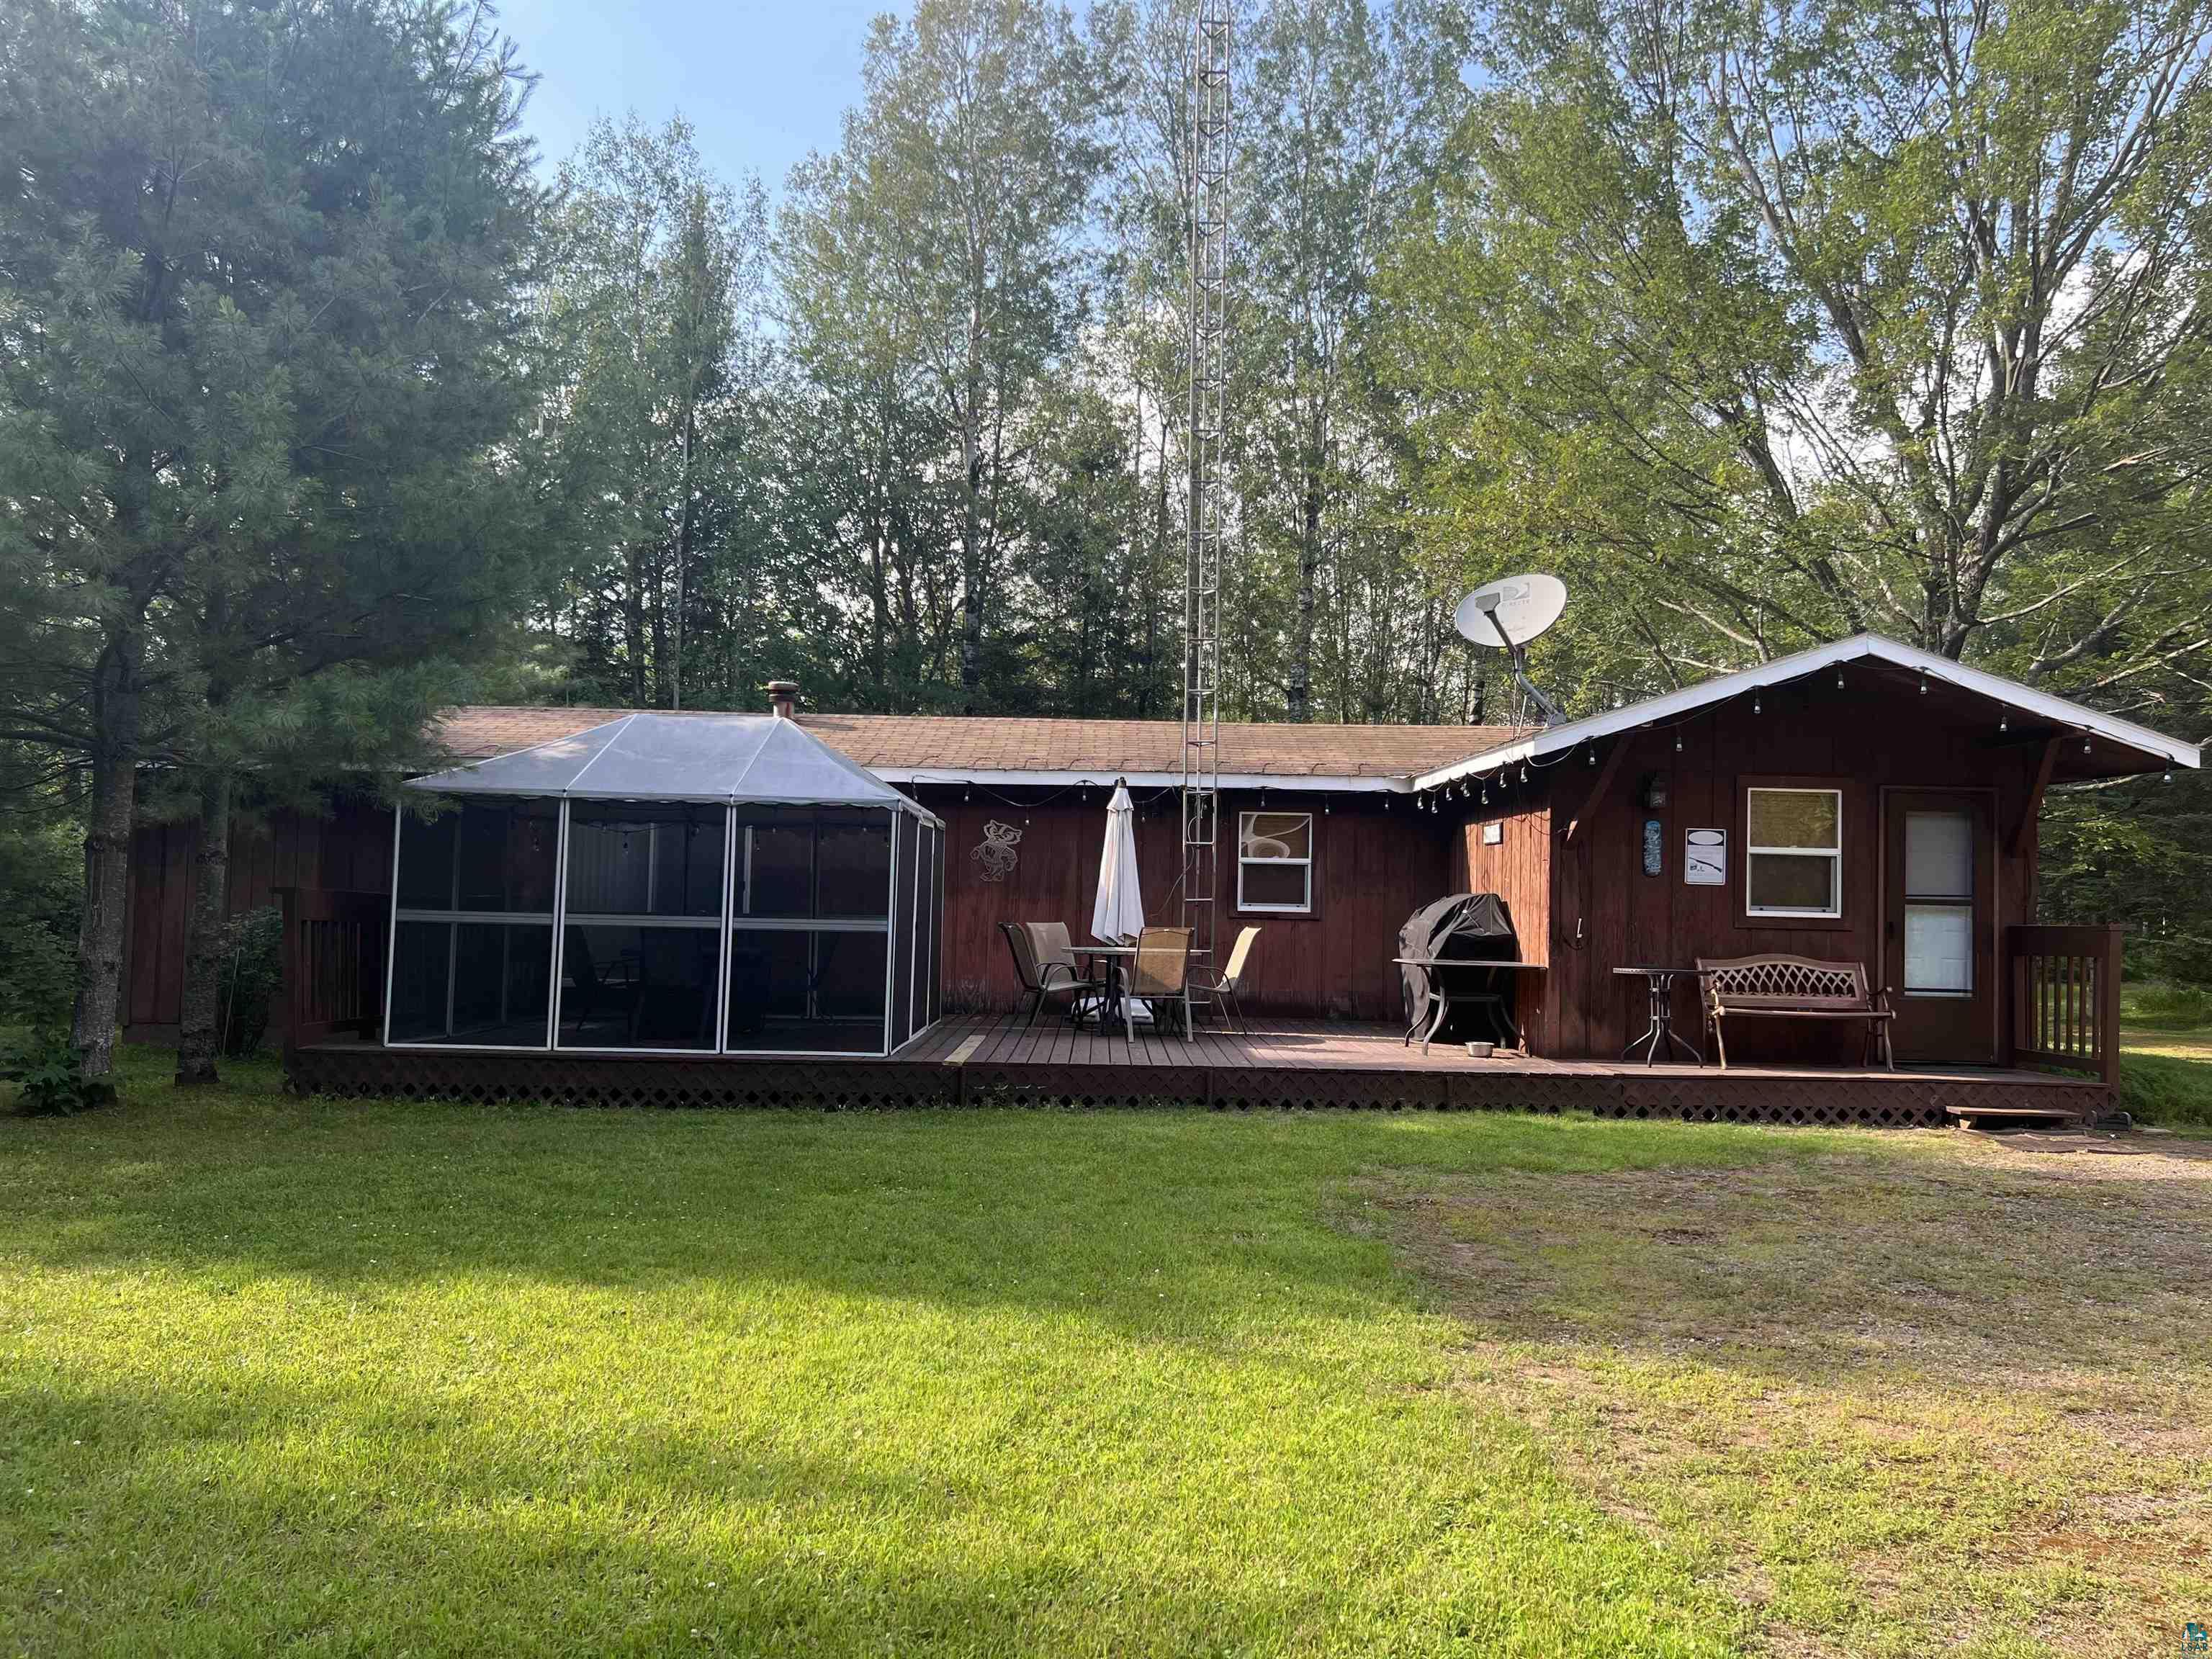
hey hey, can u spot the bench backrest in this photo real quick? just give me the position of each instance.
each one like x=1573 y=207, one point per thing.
x=1781 y=981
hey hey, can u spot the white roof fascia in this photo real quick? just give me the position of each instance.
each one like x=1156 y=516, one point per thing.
x=1106 y=777
x=1858 y=648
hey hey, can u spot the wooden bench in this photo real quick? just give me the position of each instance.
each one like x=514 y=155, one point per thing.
x=1794 y=988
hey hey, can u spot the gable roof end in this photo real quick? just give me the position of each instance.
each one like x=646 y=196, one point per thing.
x=2156 y=749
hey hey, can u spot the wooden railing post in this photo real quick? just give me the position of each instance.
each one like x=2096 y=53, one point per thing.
x=2108 y=1005
x=2065 y=997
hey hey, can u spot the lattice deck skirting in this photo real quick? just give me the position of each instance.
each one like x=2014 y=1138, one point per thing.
x=1286 y=1067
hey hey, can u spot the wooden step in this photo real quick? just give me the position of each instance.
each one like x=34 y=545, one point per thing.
x=1972 y=1116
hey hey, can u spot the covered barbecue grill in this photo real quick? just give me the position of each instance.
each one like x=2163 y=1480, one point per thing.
x=1469 y=929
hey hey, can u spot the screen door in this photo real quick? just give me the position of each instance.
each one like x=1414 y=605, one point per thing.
x=1937 y=924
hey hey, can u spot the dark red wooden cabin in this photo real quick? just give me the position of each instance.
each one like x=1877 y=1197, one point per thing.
x=1906 y=773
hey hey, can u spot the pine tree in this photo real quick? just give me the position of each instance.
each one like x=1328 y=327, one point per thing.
x=263 y=270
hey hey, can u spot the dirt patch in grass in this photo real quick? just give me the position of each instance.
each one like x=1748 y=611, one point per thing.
x=1947 y=1394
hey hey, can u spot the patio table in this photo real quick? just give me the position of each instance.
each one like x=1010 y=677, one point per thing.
x=1659 y=986
x=1113 y=958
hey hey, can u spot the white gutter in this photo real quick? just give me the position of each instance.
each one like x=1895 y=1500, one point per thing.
x=1859 y=648
x=1106 y=778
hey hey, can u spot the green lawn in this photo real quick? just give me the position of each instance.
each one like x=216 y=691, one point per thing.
x=326 y=1378
x=2165 y=1079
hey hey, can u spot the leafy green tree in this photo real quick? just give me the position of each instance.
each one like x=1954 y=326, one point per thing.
x=1774 y=322
x=973 y=164
x=261 y=262
x=872 y=513
x=1341 y=124
x=653 y=263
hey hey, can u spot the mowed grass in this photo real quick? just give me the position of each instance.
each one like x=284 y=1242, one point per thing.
x=2165 y=1075
x=335 y=1377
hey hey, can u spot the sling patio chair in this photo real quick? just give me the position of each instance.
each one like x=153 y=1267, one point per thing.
x=1042 y=979
x=1223 y=987
x=1160 y=973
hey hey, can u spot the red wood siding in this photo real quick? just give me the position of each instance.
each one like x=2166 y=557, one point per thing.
x=1518 y=869
x=350 y=850
x=1583 y=908
x=1869 y=736
x=1372 y=868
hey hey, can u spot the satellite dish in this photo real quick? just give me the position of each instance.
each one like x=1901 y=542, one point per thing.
x=1521 y=607
x=1505 y=615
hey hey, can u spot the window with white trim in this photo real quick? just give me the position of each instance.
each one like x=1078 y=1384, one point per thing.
x=1794 y=853
x=1274 y=862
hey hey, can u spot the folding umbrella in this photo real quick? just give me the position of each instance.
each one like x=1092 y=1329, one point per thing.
x=1118 y=914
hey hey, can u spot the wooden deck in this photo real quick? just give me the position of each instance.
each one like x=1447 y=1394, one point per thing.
x=1280 y=1064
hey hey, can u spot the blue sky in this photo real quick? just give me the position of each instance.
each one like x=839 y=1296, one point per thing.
x=762 y=82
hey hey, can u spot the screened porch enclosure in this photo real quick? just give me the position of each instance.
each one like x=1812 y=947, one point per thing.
x=674 y=885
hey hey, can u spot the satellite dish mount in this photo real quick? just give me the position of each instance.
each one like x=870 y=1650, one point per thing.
x=1505 y=615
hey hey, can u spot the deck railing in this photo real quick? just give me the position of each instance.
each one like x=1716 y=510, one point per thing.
x=333 y=962
x=2066 y=997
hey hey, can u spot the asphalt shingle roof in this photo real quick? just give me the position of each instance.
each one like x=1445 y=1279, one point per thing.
x=956 y=744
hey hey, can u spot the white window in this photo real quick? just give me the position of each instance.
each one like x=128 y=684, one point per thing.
x=1274 y=862
x=1794 y=853
x=1939 y=903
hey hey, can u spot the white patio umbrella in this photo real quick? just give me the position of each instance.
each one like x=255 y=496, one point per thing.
x=1117 y=916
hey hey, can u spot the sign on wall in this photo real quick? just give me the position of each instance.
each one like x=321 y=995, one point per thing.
x=1654 y=846
x=1704 y=859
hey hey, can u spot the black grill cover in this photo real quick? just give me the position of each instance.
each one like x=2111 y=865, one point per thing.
x=1465 y=927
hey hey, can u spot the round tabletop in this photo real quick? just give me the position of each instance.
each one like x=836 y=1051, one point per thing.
x=1654 y=973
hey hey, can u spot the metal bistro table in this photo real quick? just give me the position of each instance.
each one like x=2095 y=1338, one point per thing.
x=1439 y=990
x=1115 y=1002
x=1659 y=985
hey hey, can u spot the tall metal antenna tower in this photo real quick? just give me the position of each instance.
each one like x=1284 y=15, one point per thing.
x=1209 y=391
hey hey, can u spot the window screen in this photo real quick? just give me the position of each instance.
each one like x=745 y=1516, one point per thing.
x=472 y=956
x=641 y=962
x=1939 y=903
x=809 y=930
x=1794 y=853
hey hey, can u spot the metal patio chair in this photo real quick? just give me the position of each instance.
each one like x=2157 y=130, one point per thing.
x=1160 y=972
x=1042 y=979
x=1224 y=987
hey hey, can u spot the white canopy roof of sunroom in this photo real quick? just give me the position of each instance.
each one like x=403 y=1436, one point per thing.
x=661 y=756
